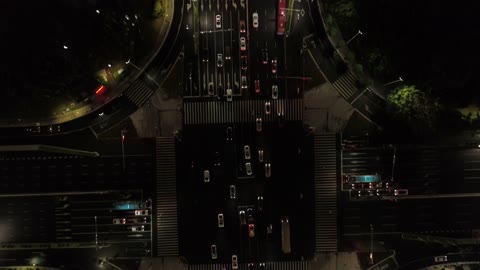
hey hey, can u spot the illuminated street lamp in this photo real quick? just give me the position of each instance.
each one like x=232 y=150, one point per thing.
x=123 y=132
x=399 y=80
x=65 y=47
x=358 y=33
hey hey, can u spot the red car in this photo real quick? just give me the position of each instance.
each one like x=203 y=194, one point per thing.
x=274 y=65
x=251 y=230
x=257 y=86
x=242 y=26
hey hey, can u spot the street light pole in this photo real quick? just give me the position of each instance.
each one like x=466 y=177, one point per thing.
x=123 y=147
x=371 y=243
x=358 y=33
x=399 y=80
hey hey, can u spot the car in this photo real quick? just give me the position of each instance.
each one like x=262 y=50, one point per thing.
x=248 y=168
x=255 y=20
x=258 y=124
x=128 y=205
x=251 y=230
x=264 y=56
x=233 y=192
x=251 y=266
x=281 y=117
x=366 y=193
x=246 y=152
x=269 y=229
x=204 y=55
x=213 y=251
x=244 y=82
x=221 y=221
x=440 y=258
x=260 y=203
x=242 y=26
x=260 y=155
x=400 y=192
x=218 y=21
x=219 y=60
x=383 y=192
x=243 y=44
x=206 y=176
x=138 y=228
x=138 y=220
x=268 y=108
x=234 y=262
x=274 y=91
x=211 y=91
x=119 y=221
x=229 y=94
x=268 y=170
x=217 y=159
x=257 y=86
x=242 y=217
x=250 y=217
x=244 y=62
x=261 y=266
x=228 y=53
x=375 y=185
x=141 y=212
x=220 y=90
x=274 y=65
x=358 y=185
x=229 y=134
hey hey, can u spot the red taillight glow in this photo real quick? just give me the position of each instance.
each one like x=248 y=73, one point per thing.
x=100 y=90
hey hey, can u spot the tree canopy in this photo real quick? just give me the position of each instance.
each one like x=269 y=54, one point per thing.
x=414 y=108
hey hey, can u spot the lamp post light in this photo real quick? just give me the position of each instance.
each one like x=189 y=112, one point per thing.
x=371 y=243
x=392 y=82
x=358 y=33
x=123 y=132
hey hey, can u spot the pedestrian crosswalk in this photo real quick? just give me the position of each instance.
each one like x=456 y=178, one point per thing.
x=325 y=149
x=241 y=111
x=286 y=265
x=138 y=92
x=166 y=198
x=347 y=85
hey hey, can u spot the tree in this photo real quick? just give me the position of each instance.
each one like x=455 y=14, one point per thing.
x=158 y=10
x=414 y=108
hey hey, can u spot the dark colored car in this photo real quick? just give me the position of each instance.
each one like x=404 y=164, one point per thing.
x=264 y=56
x=244 y=63
x=229 y=134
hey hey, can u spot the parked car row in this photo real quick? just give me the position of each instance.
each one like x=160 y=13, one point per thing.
x=379 y=192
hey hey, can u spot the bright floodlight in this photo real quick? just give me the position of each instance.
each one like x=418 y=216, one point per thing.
x=400 y=79
x=109 y=65
x=98 y=11
x=128 y=62
x=65 y=47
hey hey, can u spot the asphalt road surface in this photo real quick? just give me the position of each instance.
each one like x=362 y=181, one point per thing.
x=287 y=193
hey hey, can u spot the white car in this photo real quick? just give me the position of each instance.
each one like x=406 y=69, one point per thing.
x=234 y=262
x=268 y=107
x=229 y=94
x=248 y=168
x=138 y=228
x=246 y=152
x=141 y=212
x=242 y=217
x=260 y=155
x=274 y=91
x=258 y=122
x=218 y=21
x=213 y=251
x=233 y=192
x=206 y=176
x=221 y=221
x=268 y=170
x=255 y=20
x=243 y=44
